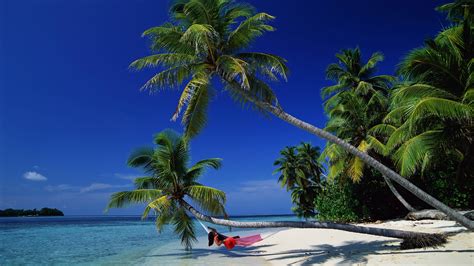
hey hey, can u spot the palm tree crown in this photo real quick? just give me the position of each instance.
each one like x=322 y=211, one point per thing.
x=351 y=74
x=169 y=181
x=205 y=40
x=431 y=119
x=300 y=172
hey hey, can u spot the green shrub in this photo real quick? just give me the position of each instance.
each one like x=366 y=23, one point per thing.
x=336 y=203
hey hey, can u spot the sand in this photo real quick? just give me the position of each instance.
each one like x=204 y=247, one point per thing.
x=330 y=247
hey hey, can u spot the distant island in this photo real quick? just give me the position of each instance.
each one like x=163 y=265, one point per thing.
x=43 y=212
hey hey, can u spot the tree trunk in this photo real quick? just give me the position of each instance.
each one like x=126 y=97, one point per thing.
x=385 y=171
x=410 y=239
x=435 y=215
x=399 y=197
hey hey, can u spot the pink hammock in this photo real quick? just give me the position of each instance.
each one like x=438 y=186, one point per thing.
x=248 y=240
x=243 y=241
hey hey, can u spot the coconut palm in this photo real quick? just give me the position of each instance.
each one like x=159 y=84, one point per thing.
x=300 y=172
x=352 y=75
x=170 y=184
x=458 y=10
x=431 y=119
x=410 y=239
x=170 y=180
x=357 y=102
x=205 y=41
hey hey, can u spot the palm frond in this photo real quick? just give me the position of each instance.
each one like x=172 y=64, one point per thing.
x=232 y=68
x=167 y=60
x=441 y=108
x=168 y=78
x=411 y=154
x=248 y=30
x=141 y=157
x=209 y=199
x=184 y=227
x=202 y=37
x=266 y=63
x=125 y=198
x=194 y=117
x=160 y=205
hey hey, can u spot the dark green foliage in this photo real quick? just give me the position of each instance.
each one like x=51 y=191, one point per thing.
x=34 y=212
x=300 y=172
x=422 y=127
x=336 y=203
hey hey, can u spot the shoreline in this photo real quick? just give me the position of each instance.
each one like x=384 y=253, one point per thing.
x=330 y=247
x=291 y=246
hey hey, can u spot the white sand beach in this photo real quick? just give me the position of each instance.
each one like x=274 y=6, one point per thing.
x=330 y=247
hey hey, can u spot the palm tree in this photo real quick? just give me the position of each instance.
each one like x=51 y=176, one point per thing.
x=171 y=183
x=410 y=239
x=206 y=41
x=352 y=75
x=287 y=167
x=170 y=180
x=431 y=118
x=357 y=102
x=300 y=172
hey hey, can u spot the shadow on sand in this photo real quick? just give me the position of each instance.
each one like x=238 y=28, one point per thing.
x=350 y=253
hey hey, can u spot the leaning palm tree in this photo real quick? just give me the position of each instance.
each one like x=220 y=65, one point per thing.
x=205 y=41
x=171 y=185
x=170 y=180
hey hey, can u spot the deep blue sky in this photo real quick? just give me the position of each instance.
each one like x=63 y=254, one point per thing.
x=71 y=111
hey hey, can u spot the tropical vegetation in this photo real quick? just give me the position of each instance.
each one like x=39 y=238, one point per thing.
x=301 y=173
x=21 y=212
x=171 y=183
x=421 y=125
x=205 y=40
x=170 y=179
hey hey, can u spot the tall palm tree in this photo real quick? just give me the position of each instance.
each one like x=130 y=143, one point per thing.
x=170 y=180
x=300 y=172
x=205 y=41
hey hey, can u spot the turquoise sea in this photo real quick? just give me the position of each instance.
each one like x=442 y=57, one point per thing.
x=106 y=240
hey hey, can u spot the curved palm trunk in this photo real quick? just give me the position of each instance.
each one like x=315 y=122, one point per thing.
x=385 y=171
x=399 y=197
x=410 y=239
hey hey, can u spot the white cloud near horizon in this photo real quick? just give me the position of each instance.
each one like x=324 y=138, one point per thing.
x=82 y=189
x=267 y=185
x=61 y=187
x=34 y=176
x=126 y=176
x=100 y=186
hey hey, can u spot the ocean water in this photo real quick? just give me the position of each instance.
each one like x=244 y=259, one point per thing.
x=105 y=240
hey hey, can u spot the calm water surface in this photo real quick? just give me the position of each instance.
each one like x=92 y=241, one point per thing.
x=90 y=239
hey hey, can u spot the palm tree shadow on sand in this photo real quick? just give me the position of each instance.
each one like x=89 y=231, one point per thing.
x=351 y=253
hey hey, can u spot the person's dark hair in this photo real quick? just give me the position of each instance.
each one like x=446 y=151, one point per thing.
x=210 y=237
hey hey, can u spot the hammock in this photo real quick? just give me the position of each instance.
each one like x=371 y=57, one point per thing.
x=243 y=241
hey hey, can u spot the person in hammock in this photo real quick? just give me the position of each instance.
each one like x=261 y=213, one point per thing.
x=219 y=239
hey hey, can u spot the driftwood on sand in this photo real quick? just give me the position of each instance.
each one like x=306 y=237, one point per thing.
x=435 y=215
